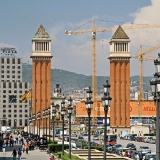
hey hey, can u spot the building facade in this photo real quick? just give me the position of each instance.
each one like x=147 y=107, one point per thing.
x=120 y=79
x=13 y=112
x=41 y=73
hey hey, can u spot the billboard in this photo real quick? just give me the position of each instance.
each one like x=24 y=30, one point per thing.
x=148 y=108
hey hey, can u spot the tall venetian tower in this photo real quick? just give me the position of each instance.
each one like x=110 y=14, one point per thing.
x=120 y=80
x=41 y=72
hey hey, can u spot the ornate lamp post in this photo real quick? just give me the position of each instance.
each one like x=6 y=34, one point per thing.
x=155 y=89
x=70 y=113
x=38 y=122
x=53 y=116
x=106 y=99
x=46 y=116
x=89 y=104
x=49 y=115
x=33 y=119
x=63 y=112
x=43 y=120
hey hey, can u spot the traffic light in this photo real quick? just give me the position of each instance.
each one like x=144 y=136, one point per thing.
x=12 y=98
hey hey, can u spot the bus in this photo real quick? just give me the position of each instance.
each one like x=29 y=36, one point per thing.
x=111 y=139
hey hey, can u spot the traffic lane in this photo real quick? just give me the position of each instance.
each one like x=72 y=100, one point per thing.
x=125 y=142
x=138 y=144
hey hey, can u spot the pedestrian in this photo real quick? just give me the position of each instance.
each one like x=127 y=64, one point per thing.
x=4 y=147
x=27 y=147
x=52 y=157
x=19 y=154
x=23 y=148
x=14 y=154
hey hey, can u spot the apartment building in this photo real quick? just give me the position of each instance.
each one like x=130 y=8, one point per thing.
x=13 y=112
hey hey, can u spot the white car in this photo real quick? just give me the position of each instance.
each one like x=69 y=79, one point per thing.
x=95 y=137
x=145 y=149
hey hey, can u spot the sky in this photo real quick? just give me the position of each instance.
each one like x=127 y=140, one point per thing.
x=19 y=21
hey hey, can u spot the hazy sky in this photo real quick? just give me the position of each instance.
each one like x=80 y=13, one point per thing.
x=19 y=21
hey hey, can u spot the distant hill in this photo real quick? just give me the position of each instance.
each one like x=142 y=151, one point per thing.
x=69 y=81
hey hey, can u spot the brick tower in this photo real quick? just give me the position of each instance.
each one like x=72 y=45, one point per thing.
x=41 y=72
x=120 y=80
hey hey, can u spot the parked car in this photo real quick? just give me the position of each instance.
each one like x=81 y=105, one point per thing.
x=153 y=141
x=145 y=149
x=135 y=155
x=95 y=137
x=131 y=146
x=132 y=138
x=128 y=153
x=150 y=156
x=115 y=147
x=147 y=139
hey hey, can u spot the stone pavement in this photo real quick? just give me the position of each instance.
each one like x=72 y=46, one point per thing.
x=32 y=155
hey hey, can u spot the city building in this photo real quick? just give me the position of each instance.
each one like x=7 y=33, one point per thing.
x=13 y=112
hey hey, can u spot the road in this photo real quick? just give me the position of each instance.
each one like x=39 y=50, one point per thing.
x=125 y=142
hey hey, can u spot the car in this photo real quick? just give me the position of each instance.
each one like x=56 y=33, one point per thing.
x=150 y=156
x=135 y=155
x=131 y=146
x=80 y=137
x=145 y=149
x=128 y=153
x=153 y=141
x=115 y=147
x=85 y=134
x=95 y=137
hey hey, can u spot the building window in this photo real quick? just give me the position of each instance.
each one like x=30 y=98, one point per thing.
x=4 y=101
x=9 y=111
x=2 y=76
x=19 y=67
x=19 y=60
x=9 y=91
x=4 y=111
x=8 y=71
x=15 y=115
x=20 y=106
x=2 y=60
x=9 y=106
x=20 y=91
x=13 y=61
x=2 y=71
x=13 y=71
x=8 y=60
x=8 y=76
x=26 y=115
x=26 y=111
x=9 y=115
x=8 y=67
x=19 y=76
x=13 y=67
x=20 y=115
x=4 y=96
x=13 y=76
x=19 y=72
x=15 y=106
x=2 y=66
x=4 y=116
x=4 y=106
x=20 y=111
x=15 y=91
x=4 y=91
x=15 y=111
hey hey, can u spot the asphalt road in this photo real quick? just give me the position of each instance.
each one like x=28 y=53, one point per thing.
x=125 y=142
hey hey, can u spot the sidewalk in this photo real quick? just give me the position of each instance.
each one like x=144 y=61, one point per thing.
x=32 y=155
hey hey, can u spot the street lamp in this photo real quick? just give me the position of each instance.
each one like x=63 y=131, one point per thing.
x=38 y=120
x=63 y=111
x=43 y=120
x=155 y=89
x=33 y=119
x=53 y=116
x=46 y=116
x=30 y=120
x=70 y=112
x=106 y=100
x=49 y=114
x=89 y=104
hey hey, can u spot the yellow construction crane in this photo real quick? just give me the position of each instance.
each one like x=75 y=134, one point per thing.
x=141 y=59
x=93 y=31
